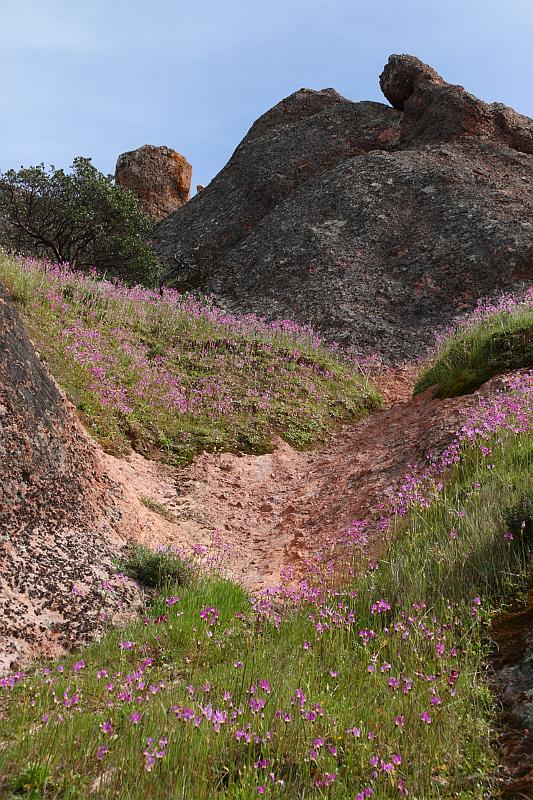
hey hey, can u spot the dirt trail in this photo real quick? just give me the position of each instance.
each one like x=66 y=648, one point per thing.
x=275 y=510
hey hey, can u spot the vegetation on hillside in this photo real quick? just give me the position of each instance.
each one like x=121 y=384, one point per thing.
x=171 y=375
x=371 y=687
x=79 y=217
x=495 y=339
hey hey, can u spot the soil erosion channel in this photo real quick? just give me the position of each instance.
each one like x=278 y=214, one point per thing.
x=276 y=510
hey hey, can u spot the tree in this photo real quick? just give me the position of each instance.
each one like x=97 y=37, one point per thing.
x=80 y=217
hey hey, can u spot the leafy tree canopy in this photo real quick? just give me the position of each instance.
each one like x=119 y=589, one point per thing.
x=80 y=217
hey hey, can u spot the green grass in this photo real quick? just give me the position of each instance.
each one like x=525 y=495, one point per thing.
x=156 y=569
x=501 y=341
x=159 y=508
x=434 y=626
x=171 y=376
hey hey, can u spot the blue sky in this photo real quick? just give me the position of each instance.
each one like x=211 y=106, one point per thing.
x=99 y=77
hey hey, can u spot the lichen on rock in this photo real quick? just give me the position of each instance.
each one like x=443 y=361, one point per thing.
x=431 y=201
x=159 y=176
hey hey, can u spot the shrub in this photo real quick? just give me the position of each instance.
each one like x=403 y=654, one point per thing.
x=80 y=217
x=156 y=568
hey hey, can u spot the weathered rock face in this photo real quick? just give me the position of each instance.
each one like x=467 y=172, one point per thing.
x=513 y=672
x=52 y=501
x=159 y=176
x=374 y=224
x=436 y=111
x=41 y=466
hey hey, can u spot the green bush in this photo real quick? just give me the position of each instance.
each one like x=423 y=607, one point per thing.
x=155 y=569
x=79 y=217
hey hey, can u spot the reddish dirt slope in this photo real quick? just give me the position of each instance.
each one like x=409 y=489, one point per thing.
x=274 y=511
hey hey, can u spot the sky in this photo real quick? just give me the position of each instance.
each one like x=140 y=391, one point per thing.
x=100 y=77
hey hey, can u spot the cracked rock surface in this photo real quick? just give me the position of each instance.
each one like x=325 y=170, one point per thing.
x=376 y=224
x=57 y=537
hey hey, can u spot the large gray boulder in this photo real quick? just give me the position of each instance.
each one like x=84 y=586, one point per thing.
x=376 y=224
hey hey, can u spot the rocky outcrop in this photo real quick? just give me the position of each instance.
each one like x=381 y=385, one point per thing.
x=43 y=464
x=56 y=543
x=376 y=224
x=436 y=111
x=512 y=661
x=159 y=176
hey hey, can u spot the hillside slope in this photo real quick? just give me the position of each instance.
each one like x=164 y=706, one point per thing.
x=376 y=686
x=375 y=223
x=163 y=376
x=69 y=508
x=375 y=559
